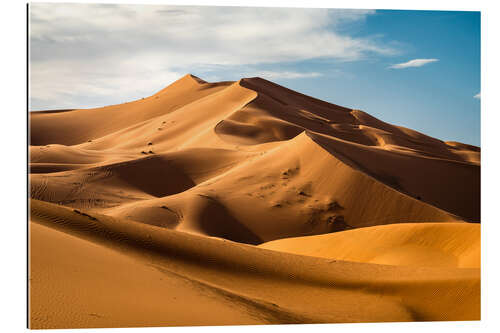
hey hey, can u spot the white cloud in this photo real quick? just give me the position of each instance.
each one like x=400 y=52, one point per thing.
x=83 y=50
x=478 y=95
x=62 y=85
x=414 y=63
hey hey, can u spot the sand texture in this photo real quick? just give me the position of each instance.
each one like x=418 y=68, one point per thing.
x=246 y=203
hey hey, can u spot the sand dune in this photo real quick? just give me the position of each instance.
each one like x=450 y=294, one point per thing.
x=290 y=196
x=79 y=126
x=264 y=286
x=407 y=244
x=177 y=189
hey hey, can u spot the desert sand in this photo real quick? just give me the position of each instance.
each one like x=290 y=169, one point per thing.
x=247 y=203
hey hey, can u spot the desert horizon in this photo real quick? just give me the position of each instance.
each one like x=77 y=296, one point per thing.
x=246 y=202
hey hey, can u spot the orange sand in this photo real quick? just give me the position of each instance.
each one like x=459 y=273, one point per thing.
x=148 y=213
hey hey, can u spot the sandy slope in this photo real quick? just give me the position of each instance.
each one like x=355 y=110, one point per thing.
x=248 y=162
x=262 y=286
x=69 y=290
x=407 y=244
x=78 y=126
x=289 y=196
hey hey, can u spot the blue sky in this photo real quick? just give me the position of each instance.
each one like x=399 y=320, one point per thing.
x=419 y=69
x=436 y=98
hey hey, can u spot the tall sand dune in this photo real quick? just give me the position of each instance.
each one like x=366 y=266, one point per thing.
x=247 y=203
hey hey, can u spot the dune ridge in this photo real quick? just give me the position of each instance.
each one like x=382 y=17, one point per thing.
x=254 y=199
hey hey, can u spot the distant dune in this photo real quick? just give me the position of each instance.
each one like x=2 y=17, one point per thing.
x=247 y=203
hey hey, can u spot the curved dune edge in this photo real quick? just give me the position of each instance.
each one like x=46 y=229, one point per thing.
x=407 y=244
x=244 y=116
x=272 y=284
x=290 y=196
x=393 y=169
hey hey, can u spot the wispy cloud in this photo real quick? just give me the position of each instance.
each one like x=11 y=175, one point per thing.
x=287 y=75
x=413 y=63
x=120 y=52
x=478 y=95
